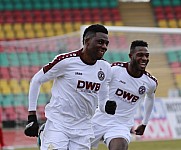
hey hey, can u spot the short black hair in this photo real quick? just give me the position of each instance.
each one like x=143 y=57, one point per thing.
x=137 y=43
x=92 y=29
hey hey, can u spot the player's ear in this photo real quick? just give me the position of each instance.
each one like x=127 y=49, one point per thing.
x=86 y=40
x=130 y=55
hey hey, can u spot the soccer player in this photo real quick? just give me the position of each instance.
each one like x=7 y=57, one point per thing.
x=79 y=77
x=130 y=85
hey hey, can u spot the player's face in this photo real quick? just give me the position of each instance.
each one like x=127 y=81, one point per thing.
x=98 y=45
x=140 y=58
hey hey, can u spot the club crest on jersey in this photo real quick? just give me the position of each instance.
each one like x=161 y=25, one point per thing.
x=141 y=90
x=101 y=75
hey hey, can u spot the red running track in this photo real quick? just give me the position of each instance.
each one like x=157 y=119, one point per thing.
x=16 y=138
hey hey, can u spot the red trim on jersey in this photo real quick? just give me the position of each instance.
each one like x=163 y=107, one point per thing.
x=122 y=64
x=60 y=57
x=125 y=64
x=152 y=77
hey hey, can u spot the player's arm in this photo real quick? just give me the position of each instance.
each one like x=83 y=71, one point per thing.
x=148 y=107
x=42 y=76
x=32 y=127
x=105 y=104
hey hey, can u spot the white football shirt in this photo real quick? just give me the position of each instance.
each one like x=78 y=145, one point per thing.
x=75 y=90
x=128 y=92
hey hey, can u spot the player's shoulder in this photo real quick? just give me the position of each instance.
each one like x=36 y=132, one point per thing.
x=62 y=56
x=151 y=77
x=120 y=64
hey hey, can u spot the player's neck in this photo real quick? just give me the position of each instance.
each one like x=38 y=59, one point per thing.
x=132 y=71
x=86 y=58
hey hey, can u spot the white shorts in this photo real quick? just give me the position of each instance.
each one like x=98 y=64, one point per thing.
x=107 y=133
x=71 y=139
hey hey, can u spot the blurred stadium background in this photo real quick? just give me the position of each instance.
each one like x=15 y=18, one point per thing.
x=33 y=32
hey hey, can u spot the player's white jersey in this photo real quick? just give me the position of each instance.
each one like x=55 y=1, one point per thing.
x=75 y=89
x=128 y=92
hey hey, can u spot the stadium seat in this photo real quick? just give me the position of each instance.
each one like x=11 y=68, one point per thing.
x=68 y=27
x=55 y=5
x=40 y=33
x=24 y=85
x=34 y=59
x=166 y=3
x=21 y=113
x=171 y=56
x=15 y=86
x=20 y=35
x=4 y=72
x=46 y=87
x=172 y=23
x=9 y=35
x=14 y=72
x=7 y=27
x=162 y=23
x=108 y=57
x=30 y=34
x=9 y=113
x=7 y=100
x=17 y=27
x=44 y=59
x=13 y=59
x=156 y=3
x=25 y=72
x=4 y=86
x=24 y=59
x=175 y=67
x=4 y=59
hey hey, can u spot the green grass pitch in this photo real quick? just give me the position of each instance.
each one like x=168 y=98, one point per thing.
x=149 y=145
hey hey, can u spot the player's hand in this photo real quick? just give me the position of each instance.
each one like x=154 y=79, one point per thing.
x=32 y=127
x=110 y=107
x=140 y=129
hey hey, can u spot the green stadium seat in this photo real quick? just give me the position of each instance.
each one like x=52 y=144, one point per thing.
x=171 y=56
x=65 y=4
x=4 y=60
x=93 y=4
x=56 y=5
x=24 y=59
x=44 y=59
x=76 y=4
x=13 y=59
x=113 y=4
x=43 y=99
x=85 y=4
x=18 y=6
x=38 y=5
x=47 y=5
x=166 y=3
x=116 y=56
x=19 y=100
x=34 y=59
x=179 y=55
x=7 y=100
x=28 y=5
x=125 y=57
x=176 y=2
x=108 y=57
x=2 y=7
x=156 y=3
x=8 y=5
x=103 y=4
x=52 y=55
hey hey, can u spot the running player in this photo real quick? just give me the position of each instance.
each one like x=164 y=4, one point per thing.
x=130 y=85
x=79 y=77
